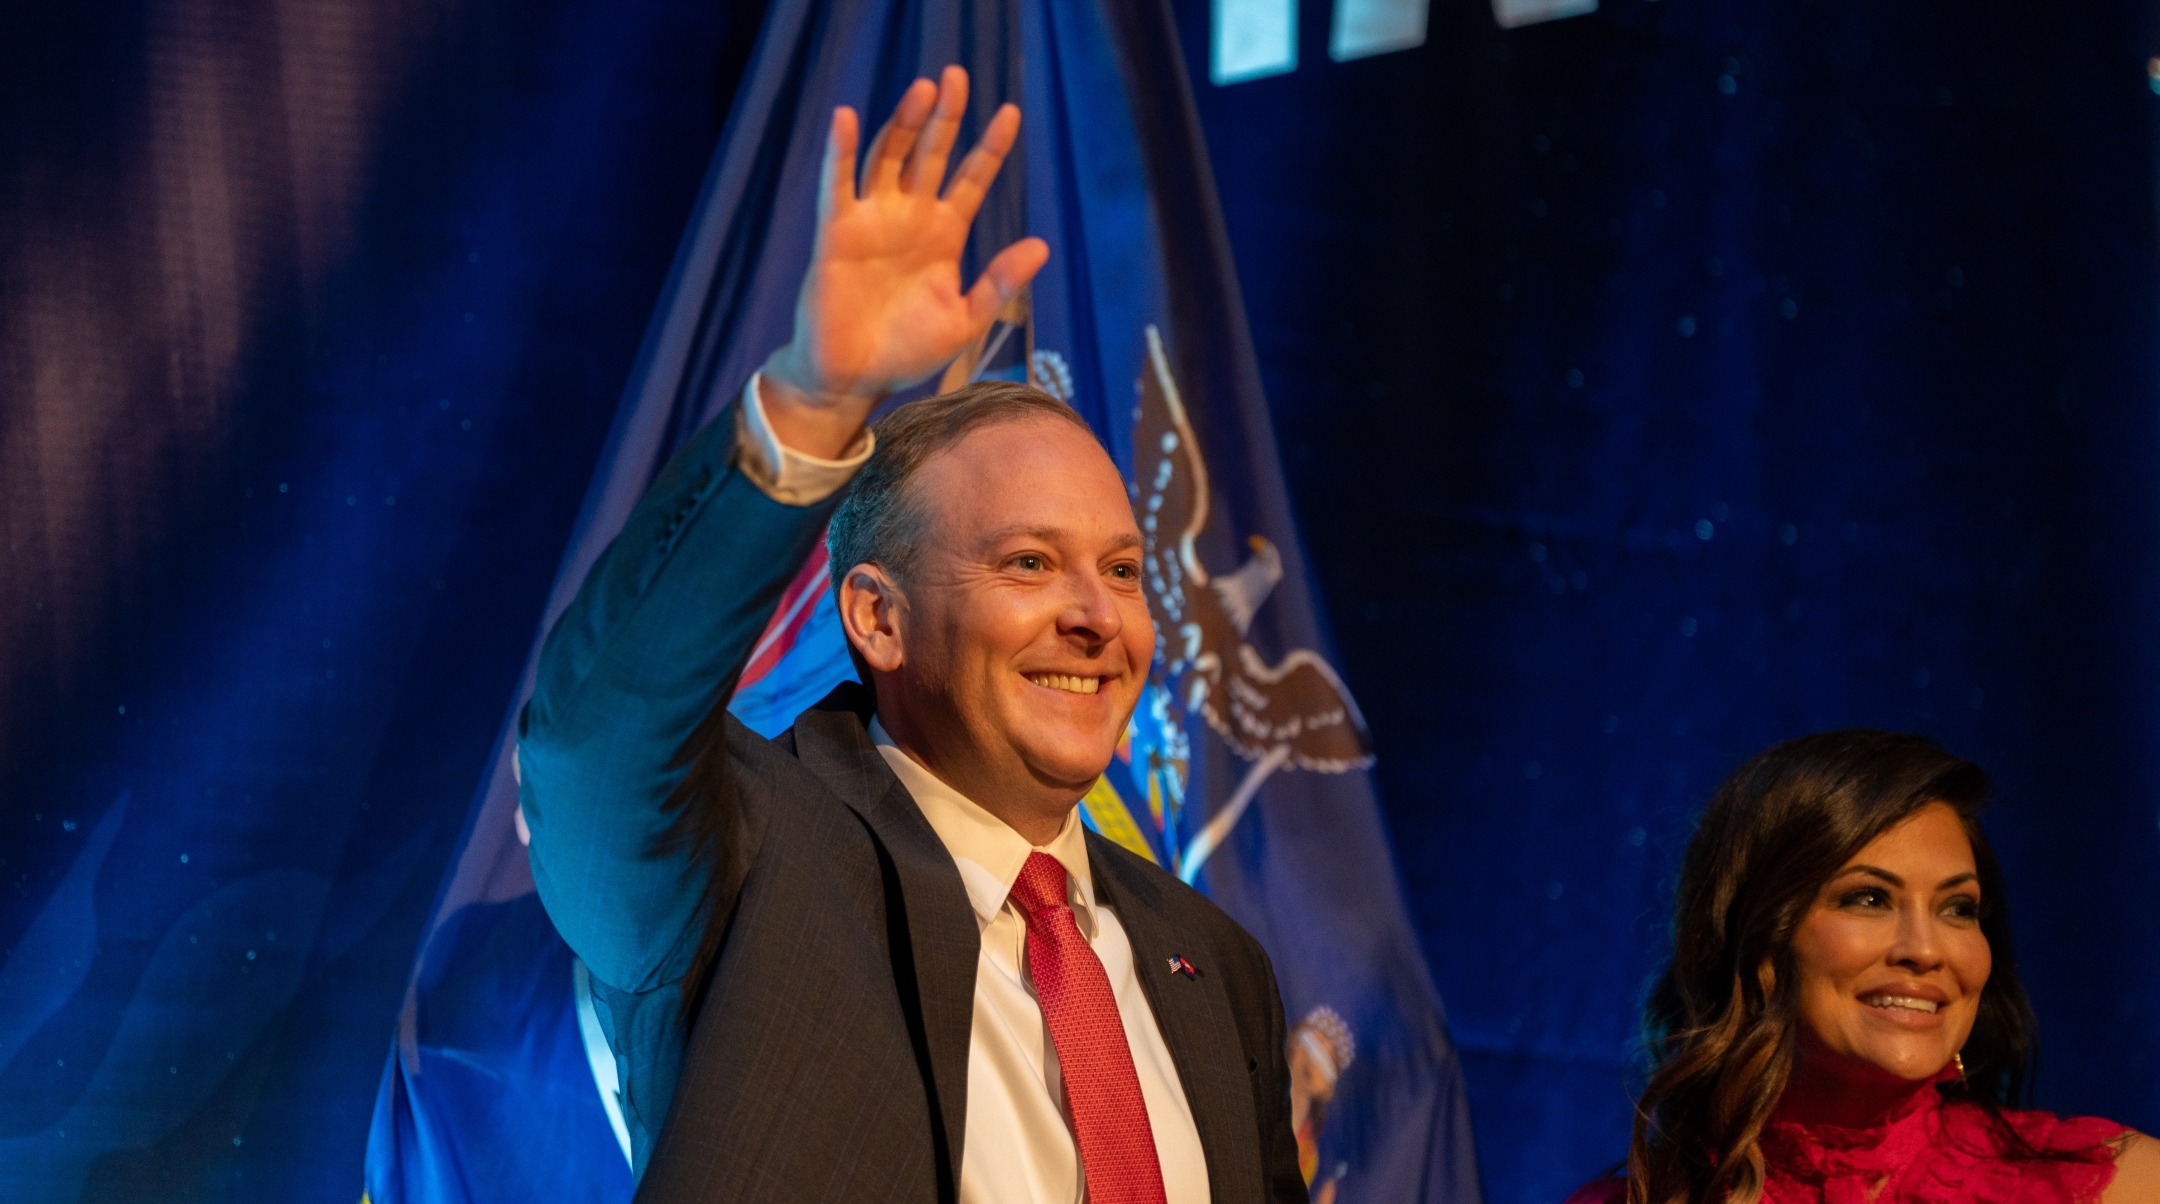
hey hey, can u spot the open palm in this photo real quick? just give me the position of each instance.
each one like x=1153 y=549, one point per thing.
x=882 y=306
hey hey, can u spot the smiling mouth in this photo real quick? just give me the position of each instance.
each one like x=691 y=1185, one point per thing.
x=1900 y=1003
x=1066 y=682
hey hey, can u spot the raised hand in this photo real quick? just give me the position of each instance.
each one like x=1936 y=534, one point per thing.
x=881 y=306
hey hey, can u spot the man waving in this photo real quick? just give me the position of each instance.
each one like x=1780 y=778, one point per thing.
x=879 y=958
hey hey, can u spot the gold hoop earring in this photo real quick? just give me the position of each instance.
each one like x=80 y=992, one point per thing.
x=1959 y=1060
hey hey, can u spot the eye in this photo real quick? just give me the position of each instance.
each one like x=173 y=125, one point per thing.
x=1125 y=571
x=1029 y=562
x=1866 y=898
x=1962 y=907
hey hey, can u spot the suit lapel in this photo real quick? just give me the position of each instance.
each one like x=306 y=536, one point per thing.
x=935 y=938
x=1196 y=1021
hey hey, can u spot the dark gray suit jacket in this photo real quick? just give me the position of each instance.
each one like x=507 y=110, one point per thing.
x=782 y=950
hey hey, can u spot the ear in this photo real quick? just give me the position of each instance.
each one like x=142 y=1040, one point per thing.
x=872 y=613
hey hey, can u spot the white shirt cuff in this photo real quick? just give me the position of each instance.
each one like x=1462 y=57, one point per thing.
x=782 y=473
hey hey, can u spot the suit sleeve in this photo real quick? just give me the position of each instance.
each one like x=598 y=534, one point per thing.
x=662 y=622
x=1278 y=1144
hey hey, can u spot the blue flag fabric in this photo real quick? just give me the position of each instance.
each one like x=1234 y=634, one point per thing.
x=1242 y=771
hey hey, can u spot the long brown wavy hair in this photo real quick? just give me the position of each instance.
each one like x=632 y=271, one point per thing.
x=1719 y=1033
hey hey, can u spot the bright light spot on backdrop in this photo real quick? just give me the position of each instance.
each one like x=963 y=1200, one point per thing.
x=1252 y=39
x=1511 y=13
x=1362 y=28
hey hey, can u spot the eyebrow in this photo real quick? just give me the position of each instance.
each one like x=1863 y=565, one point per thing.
x=1129 y=539
x=1894 y=880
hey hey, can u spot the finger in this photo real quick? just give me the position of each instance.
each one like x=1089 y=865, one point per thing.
x=926 y=168
x=982 y=164
x=836 y=179
x=882 y=169
x=1008 y=273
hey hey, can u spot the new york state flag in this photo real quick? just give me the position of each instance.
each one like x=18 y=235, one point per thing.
x=1242 y=770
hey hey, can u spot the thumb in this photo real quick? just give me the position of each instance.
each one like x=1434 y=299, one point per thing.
x=1007 y=274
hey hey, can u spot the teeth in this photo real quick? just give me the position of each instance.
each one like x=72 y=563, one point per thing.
x=1901 y=1002
x=1066 y=682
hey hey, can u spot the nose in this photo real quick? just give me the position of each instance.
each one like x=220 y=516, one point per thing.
x=1091 y=614
x=1918 y=947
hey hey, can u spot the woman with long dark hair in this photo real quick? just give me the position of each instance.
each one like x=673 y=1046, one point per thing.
x=1842 y=1022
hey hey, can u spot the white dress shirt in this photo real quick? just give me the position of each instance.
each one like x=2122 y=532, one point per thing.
x=1019 y=1147
x=779 y=471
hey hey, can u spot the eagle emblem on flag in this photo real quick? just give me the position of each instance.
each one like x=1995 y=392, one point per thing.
x=1292 y=712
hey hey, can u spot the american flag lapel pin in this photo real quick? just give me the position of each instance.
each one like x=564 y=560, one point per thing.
x=1179 y=965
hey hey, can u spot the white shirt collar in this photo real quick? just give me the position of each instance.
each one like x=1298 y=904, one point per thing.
x=987 y=850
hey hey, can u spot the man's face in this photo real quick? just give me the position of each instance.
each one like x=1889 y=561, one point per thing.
x=1023 y=637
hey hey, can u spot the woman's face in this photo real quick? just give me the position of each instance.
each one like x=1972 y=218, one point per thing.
x=1891 y=958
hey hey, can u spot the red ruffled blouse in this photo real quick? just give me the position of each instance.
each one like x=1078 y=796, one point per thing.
x=1928 y=1150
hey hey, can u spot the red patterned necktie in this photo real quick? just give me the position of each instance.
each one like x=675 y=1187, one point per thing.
x=1110 y=1120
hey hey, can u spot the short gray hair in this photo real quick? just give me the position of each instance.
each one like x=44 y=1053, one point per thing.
x=880 y=522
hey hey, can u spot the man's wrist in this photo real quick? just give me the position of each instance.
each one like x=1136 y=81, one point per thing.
x=784 y=472
x=811 y=419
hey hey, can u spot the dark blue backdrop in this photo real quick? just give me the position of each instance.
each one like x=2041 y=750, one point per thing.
x=1668 y=382
x=312 y=319
x=1652 y=385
